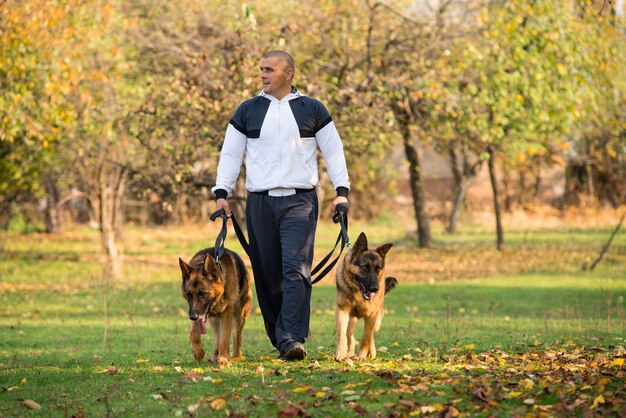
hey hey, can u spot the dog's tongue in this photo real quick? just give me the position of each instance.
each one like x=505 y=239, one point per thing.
x=202 y=325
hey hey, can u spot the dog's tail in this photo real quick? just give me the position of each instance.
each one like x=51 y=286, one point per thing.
x=390 y=283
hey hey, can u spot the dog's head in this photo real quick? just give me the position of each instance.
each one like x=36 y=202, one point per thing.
x=203 y=285
x=368 y=266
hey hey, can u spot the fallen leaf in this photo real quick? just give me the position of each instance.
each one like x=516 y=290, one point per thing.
x=528 y=384
x=301 y=389
x=480 y=395
x=449 y=412
x=314 y=365
x=618 y=362
x=30 y=404
x=193 y=375
x=597 y=401
x=427 y=409
x=111 y=370
x=218 y=403
x=289 y=411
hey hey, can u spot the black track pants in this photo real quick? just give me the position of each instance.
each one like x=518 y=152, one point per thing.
x=282 y=233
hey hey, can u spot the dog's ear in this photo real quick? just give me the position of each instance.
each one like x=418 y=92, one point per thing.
x=384 y=249
x=209 y=267
x=184 y=268
x=360 y=245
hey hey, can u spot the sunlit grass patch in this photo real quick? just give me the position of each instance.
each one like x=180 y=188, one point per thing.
x=469 y=330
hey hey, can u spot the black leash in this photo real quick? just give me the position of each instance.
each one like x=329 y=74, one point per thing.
x=221 y=237
x=340 y=217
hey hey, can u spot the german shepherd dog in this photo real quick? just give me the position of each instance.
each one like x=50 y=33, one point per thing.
x=361 y=290
x=218 y=291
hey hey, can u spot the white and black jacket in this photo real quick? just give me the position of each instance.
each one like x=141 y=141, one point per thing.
x=279 y=139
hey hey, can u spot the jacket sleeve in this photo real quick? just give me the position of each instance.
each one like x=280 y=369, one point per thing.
x=330 y=144
x=231 y=159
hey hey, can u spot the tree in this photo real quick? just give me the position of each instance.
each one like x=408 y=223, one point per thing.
x=513 y=94
x=39 y=69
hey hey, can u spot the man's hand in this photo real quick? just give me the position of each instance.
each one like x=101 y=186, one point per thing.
x=338 y=200
x=223 y=204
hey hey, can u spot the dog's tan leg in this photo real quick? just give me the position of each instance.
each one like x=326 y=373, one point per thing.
x=240 y=321
x=350 y=335
x=342 y=318
x=226 y=324
x=368 y=349
x=215 y=326
x=196 y=341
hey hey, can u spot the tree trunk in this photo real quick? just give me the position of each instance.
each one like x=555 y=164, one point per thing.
x=463 y=171
x=459 y=197
x=496 y=204
x=112 y=186
x=52 y=212
x=182 y=210
x=417 y=190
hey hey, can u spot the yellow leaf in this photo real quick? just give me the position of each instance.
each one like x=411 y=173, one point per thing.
x=597 y=401
x=302 y=389
x=158 y=368
x=23 y=380
x=528 y=384
x=514 y=395
x=218 y=403
x=470 y=346
x=618 y=362
x=141 y=360
x=320 y=394
x=30 y=404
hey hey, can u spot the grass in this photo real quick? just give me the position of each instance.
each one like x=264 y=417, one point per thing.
x=470 y=331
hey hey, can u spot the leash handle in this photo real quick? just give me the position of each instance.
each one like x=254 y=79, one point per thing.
x=341 y=217
x=221 y=237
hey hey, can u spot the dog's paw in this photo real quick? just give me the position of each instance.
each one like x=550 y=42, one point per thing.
x=340 y=356
x=223 y=361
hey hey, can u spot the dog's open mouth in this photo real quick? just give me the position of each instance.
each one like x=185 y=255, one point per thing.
x=202 y=318
x=367 y=294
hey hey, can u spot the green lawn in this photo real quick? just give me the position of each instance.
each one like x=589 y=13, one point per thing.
x=528 y=332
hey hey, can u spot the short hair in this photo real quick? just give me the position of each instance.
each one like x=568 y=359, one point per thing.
x=282 y=54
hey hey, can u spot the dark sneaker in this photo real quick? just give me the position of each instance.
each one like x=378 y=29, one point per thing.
x=294 y=352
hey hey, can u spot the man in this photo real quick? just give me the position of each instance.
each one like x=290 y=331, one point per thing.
x=279 y=132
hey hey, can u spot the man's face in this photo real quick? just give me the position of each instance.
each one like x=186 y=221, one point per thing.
x=276 y=77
